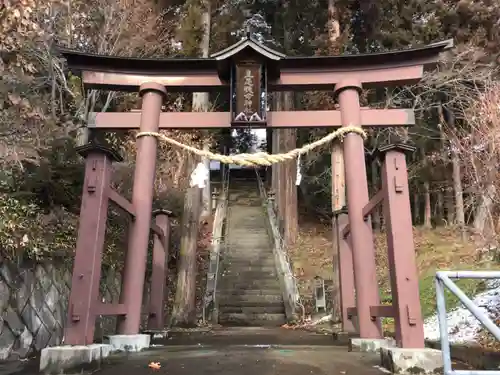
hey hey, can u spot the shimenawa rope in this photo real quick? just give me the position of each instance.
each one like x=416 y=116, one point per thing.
x=258 y=158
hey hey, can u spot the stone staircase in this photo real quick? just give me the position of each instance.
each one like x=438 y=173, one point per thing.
x=249 y=291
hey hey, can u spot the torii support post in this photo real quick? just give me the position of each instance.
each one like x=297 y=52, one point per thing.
x=363 y=251
x=401 y=250
x=84 y=295
x=142 y=201
x=159 y=272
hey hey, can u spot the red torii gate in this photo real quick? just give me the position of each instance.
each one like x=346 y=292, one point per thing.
x=247 y=71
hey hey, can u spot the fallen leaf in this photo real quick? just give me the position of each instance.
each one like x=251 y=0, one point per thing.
x=155 y=365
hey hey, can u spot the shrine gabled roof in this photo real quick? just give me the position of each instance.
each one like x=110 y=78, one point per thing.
x=250 y=43
x=391 y=58
x=78 y=60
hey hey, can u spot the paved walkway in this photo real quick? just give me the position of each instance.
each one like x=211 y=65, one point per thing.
x=234 y=351
x=246 y=351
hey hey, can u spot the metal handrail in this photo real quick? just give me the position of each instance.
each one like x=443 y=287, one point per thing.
x=293 y=296
x=443 y=279
x=217 y=238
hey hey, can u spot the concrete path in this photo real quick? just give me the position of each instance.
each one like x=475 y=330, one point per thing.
x=224 y=352
x=233 y=351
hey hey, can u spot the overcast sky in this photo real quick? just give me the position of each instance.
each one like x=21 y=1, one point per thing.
x=261 y=136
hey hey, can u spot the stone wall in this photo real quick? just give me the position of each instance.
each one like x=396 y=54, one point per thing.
x=33 y=306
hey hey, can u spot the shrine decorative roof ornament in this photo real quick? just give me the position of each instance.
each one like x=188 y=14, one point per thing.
x=248 y=42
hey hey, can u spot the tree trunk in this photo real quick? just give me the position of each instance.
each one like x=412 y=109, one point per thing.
x=416 y=197
x=333 y=28
x=416 y=208
x=201 y=101
x=338 y=173
x=456 y=174
x=441 y=193
x=291 y=210
x=427 y=206
x=427 y=195
x=376 y=213
x=269 y=150
x=449 y=205
x=458 y=190
x=180 y=169
x=275 y=173
x=338 y=202
x=291 y=213
x=206 y=209
x=279 y=180
x=338 y=177
x=184 y=309
x=282 y=183
x=483 y=223
x=439 y=213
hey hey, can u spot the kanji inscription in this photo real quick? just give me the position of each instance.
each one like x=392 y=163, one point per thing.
x=248 y=92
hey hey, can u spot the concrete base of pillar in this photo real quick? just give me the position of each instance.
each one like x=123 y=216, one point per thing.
x=369 y=345
x=73 y=359
x=129 y=343
x=412 y=361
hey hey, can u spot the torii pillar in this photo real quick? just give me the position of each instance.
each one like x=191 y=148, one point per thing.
x=362 y=247
x=142 y=199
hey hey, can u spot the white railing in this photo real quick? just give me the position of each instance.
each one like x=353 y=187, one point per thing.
x=443 y=279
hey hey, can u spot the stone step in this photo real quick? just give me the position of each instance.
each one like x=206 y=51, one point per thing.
x=244 y=267
x=248 y=235
x=247 y=230
x=250 y=284
x=245 y=263
x=240 y=262
x=251 y=252
x=258 y=222
x=256 y=225
x=246 y=240
x=268 y=309
x=248 y=254
x=250 y=300
x=236 y=247
x=247 y=281
x=255 y=240
x=256 y=320
x=241 y=273
x=231 y=293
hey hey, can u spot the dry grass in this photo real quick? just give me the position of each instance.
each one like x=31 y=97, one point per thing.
x=439 y=248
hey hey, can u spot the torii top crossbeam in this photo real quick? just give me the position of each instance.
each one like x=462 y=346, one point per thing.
x=248 y=70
